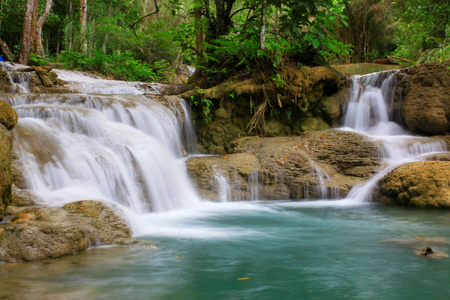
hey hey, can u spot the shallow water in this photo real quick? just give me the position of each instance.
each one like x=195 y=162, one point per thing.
x=258 y=250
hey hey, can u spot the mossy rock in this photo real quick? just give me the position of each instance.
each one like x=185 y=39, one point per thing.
x=421 y=184
x=8 y=115
x=5 y=169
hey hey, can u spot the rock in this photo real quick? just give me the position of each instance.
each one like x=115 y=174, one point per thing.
x=426 y=98
x=41 y=233
x=5 y=82
x=416 y=243
x=287 y=167
x=5 y=169
x=48 y=78
x=22 y=198
x=314 y=124
x=303 y=100
x=8 y=115
x=421 y=184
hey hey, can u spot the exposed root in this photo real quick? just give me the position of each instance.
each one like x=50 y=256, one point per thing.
x=258 y=121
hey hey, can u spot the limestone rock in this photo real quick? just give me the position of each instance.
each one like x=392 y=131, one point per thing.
x=426 y=98
x=5 y=82
x=287 y=167
x=8 y=115
x=421 y=184
x=5 y=169
x=40 y=233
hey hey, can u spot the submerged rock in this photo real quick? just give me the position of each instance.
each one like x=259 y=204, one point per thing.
x=38 y=233
x=315 y=165
x=421 y=184
x=423 y=246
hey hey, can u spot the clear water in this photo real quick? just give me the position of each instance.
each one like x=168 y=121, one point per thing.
x=282 y=250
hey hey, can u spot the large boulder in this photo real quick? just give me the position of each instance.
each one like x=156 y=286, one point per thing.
x=8 y=119
x=426 y=98
x=8 y=116
x=34 y=233
x=324 y=164
x=421 y=184
x=6 y=177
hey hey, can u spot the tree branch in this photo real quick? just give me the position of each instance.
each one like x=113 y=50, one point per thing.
x=150 y=14
x=239 y=10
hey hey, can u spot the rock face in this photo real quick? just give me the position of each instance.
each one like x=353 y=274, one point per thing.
x=301 y=99
x=421 y=184
x=315 y=165
x=8 y=119
x=39 y=233
x=425 y=98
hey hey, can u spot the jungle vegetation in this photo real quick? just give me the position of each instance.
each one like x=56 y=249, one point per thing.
x=147 y=39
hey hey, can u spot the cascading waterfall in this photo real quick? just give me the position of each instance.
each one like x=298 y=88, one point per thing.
x=126 y=148
x=370 y=112
x=123 y=149
x=320 y=188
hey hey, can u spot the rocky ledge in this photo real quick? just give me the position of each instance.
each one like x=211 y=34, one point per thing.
x=38 y=233
x=288 y=167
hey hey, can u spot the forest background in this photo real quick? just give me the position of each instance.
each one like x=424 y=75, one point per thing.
x=146 y=40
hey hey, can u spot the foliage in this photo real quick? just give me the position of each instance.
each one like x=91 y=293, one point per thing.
x=222 y=37
x=204 y=103
x=423 y=31
x=122 y=66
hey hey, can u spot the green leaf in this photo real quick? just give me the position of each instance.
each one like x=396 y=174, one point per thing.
x=316 y=44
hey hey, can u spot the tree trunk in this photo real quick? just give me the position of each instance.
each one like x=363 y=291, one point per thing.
x=263 y=26
x=40 y=23
x=34 y=26
x=26 y=35
x=220 y=18
x=5 y=50
x=83 y=25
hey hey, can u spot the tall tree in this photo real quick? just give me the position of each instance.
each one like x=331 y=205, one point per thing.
x=40 y=23
x=26 y=35
x=83 y=25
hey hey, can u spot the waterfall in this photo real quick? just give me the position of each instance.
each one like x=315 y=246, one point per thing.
x=369 y=112
x=125 y=149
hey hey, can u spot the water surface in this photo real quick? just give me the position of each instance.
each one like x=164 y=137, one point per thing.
x=259 y=250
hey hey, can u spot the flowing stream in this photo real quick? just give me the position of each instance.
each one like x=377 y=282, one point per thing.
x=112 y=141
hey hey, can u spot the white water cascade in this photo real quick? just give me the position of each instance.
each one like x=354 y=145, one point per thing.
x=122 y=149
x=370 y=112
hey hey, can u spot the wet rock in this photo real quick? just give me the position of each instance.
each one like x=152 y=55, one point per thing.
x=287 y=167
x=22 y=198
x=38 y=233
x=415 y=244
x=5 y=82
x=421 y=184
x=8 y=115
x=5 y=169
x=425 y=98
x=18 y=174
